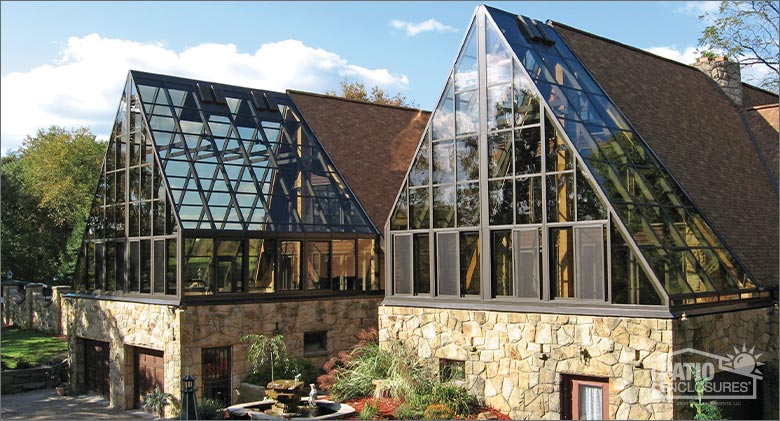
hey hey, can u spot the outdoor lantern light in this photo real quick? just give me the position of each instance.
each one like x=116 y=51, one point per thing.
x=189 y=406
x=10 y=274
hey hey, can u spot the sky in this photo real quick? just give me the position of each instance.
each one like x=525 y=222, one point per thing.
x=65 y=63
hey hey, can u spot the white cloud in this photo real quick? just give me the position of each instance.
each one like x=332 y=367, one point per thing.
x=417 y=28
x=698 y=8
x=685 y=56
x=83 y=87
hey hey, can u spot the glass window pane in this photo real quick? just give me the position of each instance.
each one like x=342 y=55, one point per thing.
x=134 y=268
x=560 y=197
x=525 y=103
x=500 y=154
x=589 y=206
x=501 y=201
x=527 y=264
x=343 y=265
x=444 y=116
x=591 y=402
x=400 y=214
x=469 y=263
x=317 y=263
x=466 y=72
x=499 y=61
x=561 y=260
x=468 y=159
x=99 y=266
x=419 y=207
x=528 y=200
x=444 y=206
x=466 y=112
x=229 y=266
x=528 y=151
x=262 y=261
x=630 y=282
x=501 y=256
x=468 y=204
x=368 y=265
x=159 y=266
x=420 y=172
x=559 y=157
x=443 y=162
x=170 y=274
x=289 y=266
x=120 y=263
x=446 y=255
x=422 y=271
x=590 y=262
x=402 y=265
x=499 y=107
x=197 y=261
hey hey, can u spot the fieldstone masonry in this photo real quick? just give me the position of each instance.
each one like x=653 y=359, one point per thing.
x=516 y=361
x=30 y=309
x=181 y=333
x=725 y=73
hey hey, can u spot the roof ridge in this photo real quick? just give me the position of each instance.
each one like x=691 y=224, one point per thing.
x=358 y=101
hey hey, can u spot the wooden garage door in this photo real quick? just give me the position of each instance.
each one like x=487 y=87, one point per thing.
x=96 y=367
x=149 y=372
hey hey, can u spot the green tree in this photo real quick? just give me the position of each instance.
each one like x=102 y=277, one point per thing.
x=357 y=90
x=47 y=188
x=748 y=32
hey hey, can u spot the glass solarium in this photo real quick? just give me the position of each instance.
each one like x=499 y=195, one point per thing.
x=209 y=188
x=545 y=192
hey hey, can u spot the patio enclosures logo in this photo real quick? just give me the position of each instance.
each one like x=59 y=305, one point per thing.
x=733 y=376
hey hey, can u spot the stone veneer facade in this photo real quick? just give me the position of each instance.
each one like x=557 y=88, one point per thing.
x=181 y=333
x=725 y=73
x=30 y=310
x=515 y=361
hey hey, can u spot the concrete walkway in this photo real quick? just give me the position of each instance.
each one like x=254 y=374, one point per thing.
x=44 y=404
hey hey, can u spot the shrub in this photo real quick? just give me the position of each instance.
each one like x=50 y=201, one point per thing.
x=158 y=400
x=438 y=411
x=458 y=399
x=370 y=410
x=211 y=409
x=407 y=411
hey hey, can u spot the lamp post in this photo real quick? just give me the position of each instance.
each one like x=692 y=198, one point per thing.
x=189 y=406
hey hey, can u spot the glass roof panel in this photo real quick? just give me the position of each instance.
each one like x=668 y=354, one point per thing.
x=220 y=153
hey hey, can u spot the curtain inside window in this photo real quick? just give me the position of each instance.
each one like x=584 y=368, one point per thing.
x=590 y=402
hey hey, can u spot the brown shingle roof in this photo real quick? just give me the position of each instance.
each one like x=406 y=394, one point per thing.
x=699 y=135
x=753 y=96
x=372 y=145
x=764 y=123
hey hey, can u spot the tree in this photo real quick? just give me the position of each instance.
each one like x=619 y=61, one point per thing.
x=47 y=190
x=357 y=90
x=748 y=33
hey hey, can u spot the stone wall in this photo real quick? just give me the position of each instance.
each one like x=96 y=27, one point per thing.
x=31 y=310
x=515 y=361
x=224 y=325
x=725 y=73
x=124 y=325
x=725 y=334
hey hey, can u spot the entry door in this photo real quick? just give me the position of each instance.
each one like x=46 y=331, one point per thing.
x=149 y=369
x=586 y=398
x=96 y=367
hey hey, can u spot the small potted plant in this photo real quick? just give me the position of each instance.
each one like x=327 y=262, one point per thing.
x=60 y=373
x=157 y=400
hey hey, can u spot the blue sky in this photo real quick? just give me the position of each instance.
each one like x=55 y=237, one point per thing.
x=65 y=62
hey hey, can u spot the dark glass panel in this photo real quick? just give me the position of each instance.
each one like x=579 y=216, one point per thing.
x=422 y=270
x=668 y=269
x=134 y=211
x=289 y=266
x=469 y=263
x=444 y=117
x=198 y=265
x=527 y=263
x=467 y=159
x=446 y=270
x=444 y=206
x=468 y=204
x=466 y=112
x=317 y=263
x=466 y=72
x=501 y=199
x=119 y=266
x=402 y=265
x=420 y=173
x=158 y=215
x=368 y=265
x=499 y=107
x=528 y=151
x=262 y=261
x=532 y=63
x=499 y=60
x=589 y=257
x=343 y=265
x=134 y=269
x=159 y=266
x=170 y=268
x=89 y=257
x=419 y=207
x=630 y=282
x=559 y=157
x=100 y=274
x=560 y=197
x=500 y=154
x=146 y=271
x=135 y=183
x=229 y=266
x=528 y=200
x=525 y=103
x=501 y=256
x=589 y=206
x=561 y=261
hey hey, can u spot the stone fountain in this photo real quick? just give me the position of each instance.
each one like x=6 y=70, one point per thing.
x=287 y=394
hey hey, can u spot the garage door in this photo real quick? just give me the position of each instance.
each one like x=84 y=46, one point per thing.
x=149 y=372
x=96 y=367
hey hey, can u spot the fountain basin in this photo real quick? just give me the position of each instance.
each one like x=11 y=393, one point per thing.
x=323 y=410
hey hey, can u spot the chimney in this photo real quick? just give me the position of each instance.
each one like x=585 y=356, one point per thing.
x=726 y=74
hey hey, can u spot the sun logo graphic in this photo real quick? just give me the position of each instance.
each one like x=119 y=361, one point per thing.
x=733 y=376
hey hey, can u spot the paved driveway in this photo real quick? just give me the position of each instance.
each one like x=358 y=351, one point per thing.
x=44 y=404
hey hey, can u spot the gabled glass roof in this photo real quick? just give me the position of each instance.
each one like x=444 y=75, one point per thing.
x=241 y=159
x=686 y=255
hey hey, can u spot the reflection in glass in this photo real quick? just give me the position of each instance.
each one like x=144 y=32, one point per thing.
x=443 y=162
x=420 y=172
x=469 y=263
x=528 y=151
x=422 y=272
x=499 y=107
x=501 y=258
x=466 y=112
x=343 y=265
x=528 y=200
x=443 y=123
x=467 y=159
x=559 y=157
x=561 y=262
x=368 y=265
x=289 y=266
x=262 y=262
x=525 y=103
x=501 y=199
x=402 y=265
x=229 y=266
x=499 y=61
x=589 y=206
x=500 y=154
x=468 y=204
x=419 y=207
x=444 y=206
x=466 y=74
x=317 y=263
x=560 y=197
x=196 y=274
